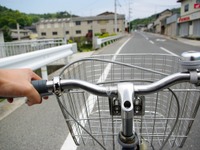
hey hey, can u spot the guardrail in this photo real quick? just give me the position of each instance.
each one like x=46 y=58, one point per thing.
x=38 y=59
x=100 y=42
x=20 y=47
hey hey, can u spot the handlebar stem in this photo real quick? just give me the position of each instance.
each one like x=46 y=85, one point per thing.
x=127 y=138
x=126 y=94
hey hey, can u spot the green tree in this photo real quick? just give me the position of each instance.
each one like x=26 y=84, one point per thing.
x=6 y=33
x=12 y=23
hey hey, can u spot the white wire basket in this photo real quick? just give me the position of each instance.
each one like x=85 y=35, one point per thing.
x=169 y=114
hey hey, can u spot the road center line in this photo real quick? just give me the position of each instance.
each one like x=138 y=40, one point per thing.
x=69 y=143
x=168 y=51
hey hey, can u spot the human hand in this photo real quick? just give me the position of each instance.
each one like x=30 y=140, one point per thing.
x=17 y=83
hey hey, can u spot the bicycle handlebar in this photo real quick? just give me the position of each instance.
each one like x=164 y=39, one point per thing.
x=57 y=86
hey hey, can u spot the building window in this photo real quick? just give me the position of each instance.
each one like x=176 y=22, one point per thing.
x=78 y=31
x=89 y=21
x=78 y=23
x=43 y=33
x=67 y=32
x=186 y=8
x=103 y=30
x=54 y=33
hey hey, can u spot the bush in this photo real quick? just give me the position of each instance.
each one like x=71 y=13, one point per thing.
x=70 y=41
x=97 y=34
x=6 y=33
x=104 y=35
x=85 y=47
x=113 y=34
x=82 y=44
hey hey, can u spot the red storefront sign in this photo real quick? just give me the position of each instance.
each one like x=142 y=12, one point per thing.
x=197 y=6
x=184 y=19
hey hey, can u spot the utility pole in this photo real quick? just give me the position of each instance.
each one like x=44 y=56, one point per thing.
x=64 y=32
x=115 y=22
x=18 y=32
x=71 y=25
x=129 y=16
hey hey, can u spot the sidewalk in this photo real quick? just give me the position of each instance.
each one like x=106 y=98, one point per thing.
x=7 y=108
x=189 y=41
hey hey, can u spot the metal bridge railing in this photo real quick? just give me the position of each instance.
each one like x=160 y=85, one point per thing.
x=20 y=47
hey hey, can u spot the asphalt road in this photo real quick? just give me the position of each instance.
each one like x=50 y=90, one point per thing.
x=43 y=127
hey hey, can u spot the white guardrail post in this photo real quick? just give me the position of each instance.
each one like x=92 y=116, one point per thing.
x=38 y=59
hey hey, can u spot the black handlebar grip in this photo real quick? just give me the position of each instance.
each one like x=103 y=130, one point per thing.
x=40 y=86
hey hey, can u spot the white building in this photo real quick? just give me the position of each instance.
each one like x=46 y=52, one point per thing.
x=189 y=21
x=79 y=26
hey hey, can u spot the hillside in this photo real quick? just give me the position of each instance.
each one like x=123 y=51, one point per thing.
x=9 y=18
x=148 y=20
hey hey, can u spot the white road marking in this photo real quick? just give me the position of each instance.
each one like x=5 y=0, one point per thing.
x=69 y=143
x=151 y=42
x=144 y=35
x=168 y=51
x=161 y=40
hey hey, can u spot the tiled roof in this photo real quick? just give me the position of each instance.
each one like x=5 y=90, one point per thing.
x=101 y=17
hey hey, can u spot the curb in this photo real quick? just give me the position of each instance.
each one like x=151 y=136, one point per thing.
x=7 y=108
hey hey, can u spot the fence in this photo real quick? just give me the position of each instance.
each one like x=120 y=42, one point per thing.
x=21 y=47
x=99 y=42
x=39 y=59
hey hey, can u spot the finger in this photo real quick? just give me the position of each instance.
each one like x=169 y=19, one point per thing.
x=28 y=102
x=45 y=97
x=34 y=76
x=10 y=100
x=33 y=97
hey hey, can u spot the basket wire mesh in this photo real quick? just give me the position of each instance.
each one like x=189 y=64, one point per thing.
x=88 y=116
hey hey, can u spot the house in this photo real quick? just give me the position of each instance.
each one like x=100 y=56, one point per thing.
x=21 y=34
x=189 y=20
x=172 y=26
x=106 y=13
x=79 y=26
x=160 y=22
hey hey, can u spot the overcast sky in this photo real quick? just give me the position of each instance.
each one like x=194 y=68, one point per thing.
x=137 y=8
